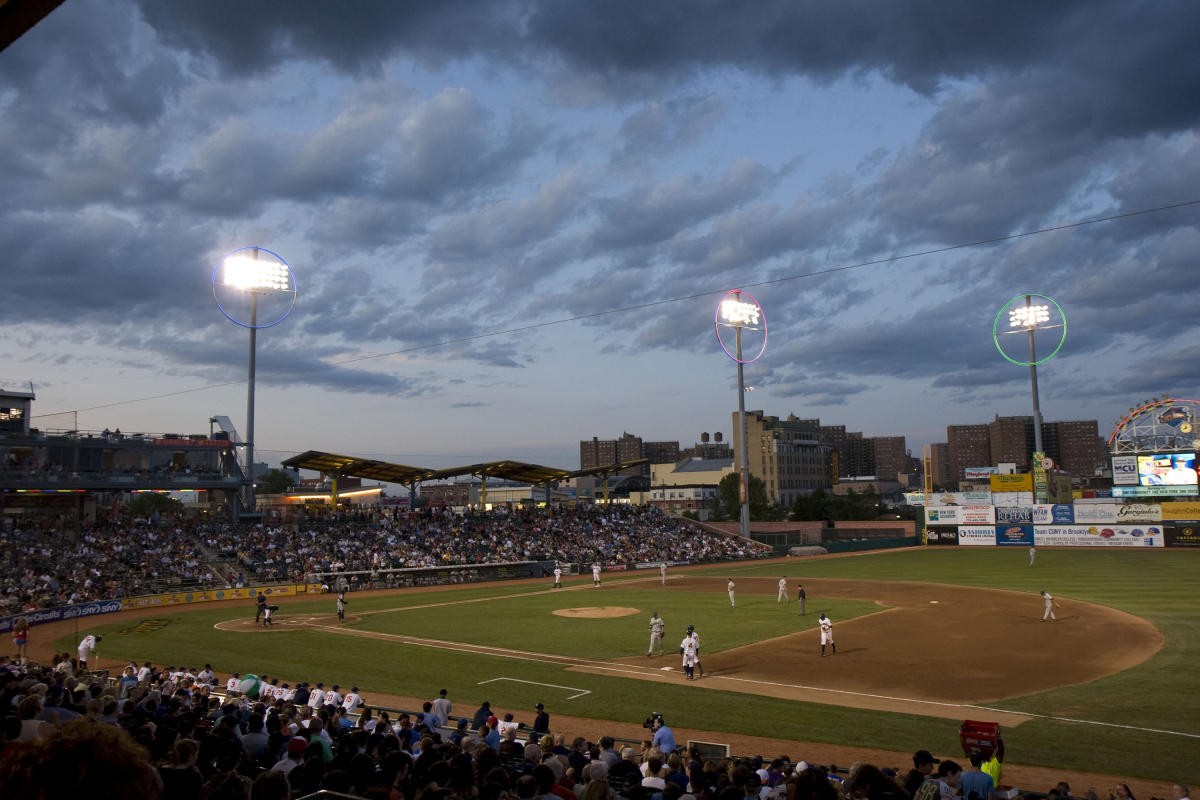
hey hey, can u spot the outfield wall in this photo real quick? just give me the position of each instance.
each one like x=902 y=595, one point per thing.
x=1065 y=525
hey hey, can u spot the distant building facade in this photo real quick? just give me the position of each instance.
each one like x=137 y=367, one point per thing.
x=789 y=455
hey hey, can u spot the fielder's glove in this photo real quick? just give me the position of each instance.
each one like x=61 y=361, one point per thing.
x=681 y=651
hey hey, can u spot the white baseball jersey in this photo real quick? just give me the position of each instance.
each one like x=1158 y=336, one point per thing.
x=826 y=630
x=316 y=698
x=689 y=651
x=596 y=571
x=87 y=645
x=557 y=575
x=352 y=702
x=656 y=625
x=333 y=698
x=231 y=685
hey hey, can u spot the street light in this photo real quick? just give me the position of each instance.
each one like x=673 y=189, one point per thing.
x=734 y=312
x=1027 y=319
x=253 y=272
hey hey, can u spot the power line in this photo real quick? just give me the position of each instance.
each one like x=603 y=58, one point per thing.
x=655 y=303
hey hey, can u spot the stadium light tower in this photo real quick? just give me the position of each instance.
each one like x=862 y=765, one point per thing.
x=734 y=312
x=1028 y=318
x=253 y=272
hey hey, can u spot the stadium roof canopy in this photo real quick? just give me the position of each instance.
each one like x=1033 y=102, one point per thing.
x=519 y=471
x=334 y=464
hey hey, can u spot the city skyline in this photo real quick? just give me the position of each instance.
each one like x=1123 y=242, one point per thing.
x=440 y=174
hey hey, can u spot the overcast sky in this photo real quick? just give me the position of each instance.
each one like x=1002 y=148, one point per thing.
x=447 y=171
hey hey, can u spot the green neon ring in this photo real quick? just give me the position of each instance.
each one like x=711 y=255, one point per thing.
x=996 y=335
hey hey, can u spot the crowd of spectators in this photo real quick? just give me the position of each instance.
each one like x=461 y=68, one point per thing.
x=44 y=565
x=171 y=734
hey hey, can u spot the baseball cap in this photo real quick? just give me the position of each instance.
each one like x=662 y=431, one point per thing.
x=924 y=757
x=493 y=721
x=539 y=706
x=296 y=746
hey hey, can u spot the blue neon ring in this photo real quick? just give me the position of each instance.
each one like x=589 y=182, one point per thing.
x=236 y=321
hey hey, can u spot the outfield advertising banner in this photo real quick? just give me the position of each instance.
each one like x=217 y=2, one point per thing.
x=1014 y=535
x=1125 y=470
x=941 y=536
x=962 y=499
x=1056 y=514
x=943 y=515
x=1190 y=511
x=1016 y=515
x=1139 y=512
x=1012 y=483
x=1095 y=536
x=977 y=535
x=1183 y=535
x=1097 y=513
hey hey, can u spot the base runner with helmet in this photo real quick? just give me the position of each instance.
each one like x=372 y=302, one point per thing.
x=688 y=649
x=826 y=633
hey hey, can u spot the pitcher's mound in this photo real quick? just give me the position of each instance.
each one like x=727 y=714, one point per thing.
x=593 y=612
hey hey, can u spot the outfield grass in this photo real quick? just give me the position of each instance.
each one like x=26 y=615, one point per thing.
x=1155 y=695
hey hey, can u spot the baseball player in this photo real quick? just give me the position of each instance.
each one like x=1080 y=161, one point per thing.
x=687 y=648
x=1032 y=555
x=802 y=596
x=695 y=637
x=260 y=604
x=341 y=606
x=1050 y=605
x=662 y=571
x=268 y=612
x=557 y=576
x=729 y=588
x=88 y=645
x=596 y=575
x=826 y=633
x=782 y=598
x=657 y=627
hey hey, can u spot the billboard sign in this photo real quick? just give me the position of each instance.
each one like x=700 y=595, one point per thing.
x=1096 y=536
x=1183 y=536
x=977 y=535
x=1155 y=491
x=1125 y=470
x=1014 y=535
x=942 y=515
x=1180 y=511
x=1167 y=469
x=978 y=515
x=978 y=473
x=1098 y=513
x=1053 y=514
x=941 y=536
x=1018 y=515
x=1139 y=512
x=1012 y=483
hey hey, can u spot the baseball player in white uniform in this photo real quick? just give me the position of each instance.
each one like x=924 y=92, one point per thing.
x=1050 y=604
x=86 y=647
x=729 y=588
x=596 y=575
x=826 y=633
x=690 y=658
x=341 y=606
x=691 y=631
x=557 y=577
x=657 y=628
x=1032 y=555
x=782 y=598
x=662 y=570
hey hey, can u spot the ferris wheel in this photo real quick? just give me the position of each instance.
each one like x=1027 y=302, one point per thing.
x=1158 y=425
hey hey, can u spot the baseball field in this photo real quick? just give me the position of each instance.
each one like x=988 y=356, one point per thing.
x=926 y=637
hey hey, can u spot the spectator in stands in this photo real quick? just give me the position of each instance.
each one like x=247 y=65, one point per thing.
x=1121 y=792
x=481 y=714
x=80 y=758
x=1179 y=791
x=975 y=781
x=625 y=773
x=923 y=767
x=608 y=753
x=597 y=786
x=948 y=775
x=180 y=777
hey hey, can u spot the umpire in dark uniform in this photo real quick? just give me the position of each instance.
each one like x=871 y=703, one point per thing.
x=260 y=606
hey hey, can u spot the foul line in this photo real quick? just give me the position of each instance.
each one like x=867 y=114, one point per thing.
x=581 y=692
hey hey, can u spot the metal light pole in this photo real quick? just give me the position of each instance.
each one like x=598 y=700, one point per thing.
x=254 y=271
x=1030 y=316
x=739 y=314
x=741 y=368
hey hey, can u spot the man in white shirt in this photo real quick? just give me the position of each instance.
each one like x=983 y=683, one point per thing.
x=662 y=572
x=333 y=697
x=729 y=588
x=145 y=672
x=826 y=633
x=782 y=598
x=441 y=708
x=596 y=575
x=316 y=698
x=688 y=649
x=87 y=647
x=352 y=700
x=231 y=685
x=557 y=577
x=206 y=676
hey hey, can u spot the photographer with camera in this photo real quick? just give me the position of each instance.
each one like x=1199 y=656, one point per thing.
x=664 y=737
